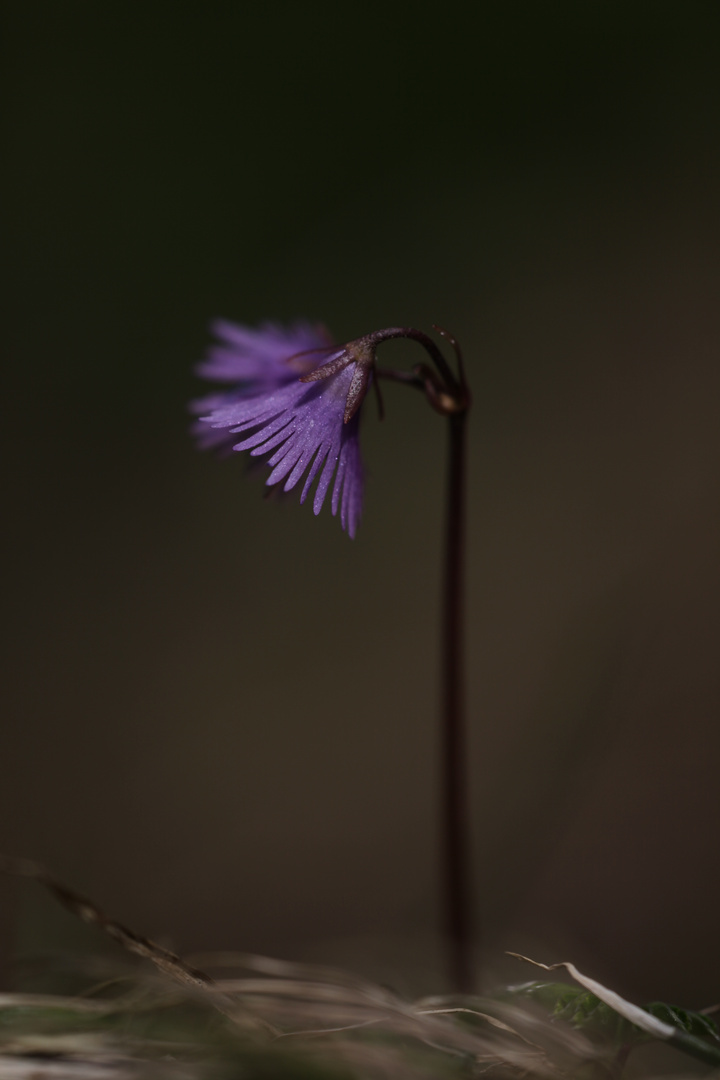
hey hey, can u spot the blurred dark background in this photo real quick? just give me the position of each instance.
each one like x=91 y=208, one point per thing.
x=219 y=712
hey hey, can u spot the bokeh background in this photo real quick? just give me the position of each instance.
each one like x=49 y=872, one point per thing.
x=219 y=712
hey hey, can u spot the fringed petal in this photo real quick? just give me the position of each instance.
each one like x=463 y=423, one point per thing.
x=298 y=427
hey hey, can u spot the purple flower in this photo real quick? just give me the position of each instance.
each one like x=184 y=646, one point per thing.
x=295 y=397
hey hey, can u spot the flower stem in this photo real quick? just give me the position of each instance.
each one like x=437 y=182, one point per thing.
x=450 y=396
x=454 y=799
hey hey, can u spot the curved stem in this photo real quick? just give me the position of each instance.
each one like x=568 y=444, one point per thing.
x=455 y=823
x=462 y=381
x=427 y=343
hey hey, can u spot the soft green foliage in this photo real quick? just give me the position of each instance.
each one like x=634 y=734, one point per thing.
x=581 y=1009
x=692 y=1023
x=584 y=1010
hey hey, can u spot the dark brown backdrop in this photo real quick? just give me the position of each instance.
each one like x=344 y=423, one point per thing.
x=220 y=713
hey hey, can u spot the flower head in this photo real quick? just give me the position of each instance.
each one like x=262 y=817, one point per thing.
x=295 y=397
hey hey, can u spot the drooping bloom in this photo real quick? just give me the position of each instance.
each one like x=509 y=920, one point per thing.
x=294 y=396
